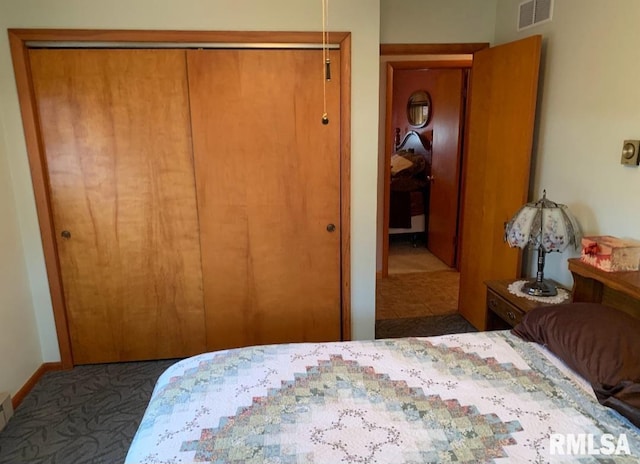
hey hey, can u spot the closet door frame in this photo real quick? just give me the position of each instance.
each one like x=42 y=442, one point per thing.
x=22 y=39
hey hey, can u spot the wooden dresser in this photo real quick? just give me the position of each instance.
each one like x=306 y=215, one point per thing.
x=620 y=290
x=617 y=289
x=504 y=309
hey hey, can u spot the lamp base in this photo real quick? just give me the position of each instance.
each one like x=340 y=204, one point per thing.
x=539 y=288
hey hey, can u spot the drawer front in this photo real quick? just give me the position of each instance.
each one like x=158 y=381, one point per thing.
x=504 y=309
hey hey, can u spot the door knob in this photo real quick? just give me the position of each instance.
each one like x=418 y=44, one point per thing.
x=331 y=227
x=66 y=234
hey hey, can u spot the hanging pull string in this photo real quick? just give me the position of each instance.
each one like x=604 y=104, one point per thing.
x=326 y=61
x=327 y=58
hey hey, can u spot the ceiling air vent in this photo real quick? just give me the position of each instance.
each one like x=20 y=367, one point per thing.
x=534 y=12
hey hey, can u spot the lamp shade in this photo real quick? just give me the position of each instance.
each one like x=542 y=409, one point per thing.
x=548 y=226
x=545 y=224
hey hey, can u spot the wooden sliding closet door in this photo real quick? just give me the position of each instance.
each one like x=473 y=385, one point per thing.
x=268 y=183
x=116 y=134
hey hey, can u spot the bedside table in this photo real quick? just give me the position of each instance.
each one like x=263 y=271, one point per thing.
x=504 y=309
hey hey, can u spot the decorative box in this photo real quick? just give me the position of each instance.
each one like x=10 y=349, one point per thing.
x=611 y=253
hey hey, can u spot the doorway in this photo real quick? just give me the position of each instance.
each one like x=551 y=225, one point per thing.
x=418 y=275
x=499 y=119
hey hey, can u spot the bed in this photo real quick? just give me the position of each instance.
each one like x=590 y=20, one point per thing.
x=466 y=398
x=409 y=187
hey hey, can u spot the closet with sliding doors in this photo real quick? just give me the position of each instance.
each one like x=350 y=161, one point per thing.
x=195 y=197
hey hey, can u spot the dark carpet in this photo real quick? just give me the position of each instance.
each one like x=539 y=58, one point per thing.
x=85 y=415
x=422 y=326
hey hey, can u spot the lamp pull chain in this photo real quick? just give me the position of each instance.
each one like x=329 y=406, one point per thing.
x=326 y=61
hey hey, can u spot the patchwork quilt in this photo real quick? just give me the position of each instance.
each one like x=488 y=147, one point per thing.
x=464 y=398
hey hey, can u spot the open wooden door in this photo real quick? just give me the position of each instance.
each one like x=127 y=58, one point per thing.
x=503 y=91
x=445 y=164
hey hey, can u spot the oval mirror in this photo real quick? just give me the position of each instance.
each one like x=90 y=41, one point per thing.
x=419 y=108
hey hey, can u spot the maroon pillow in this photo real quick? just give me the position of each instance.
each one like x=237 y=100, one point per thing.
x=600 y=343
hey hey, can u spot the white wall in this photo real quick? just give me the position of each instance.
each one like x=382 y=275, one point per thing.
x=360 y=17
x=589 y=103
x=437 y=21
x=19 y=343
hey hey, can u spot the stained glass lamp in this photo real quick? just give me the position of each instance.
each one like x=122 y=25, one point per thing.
x=547 y=226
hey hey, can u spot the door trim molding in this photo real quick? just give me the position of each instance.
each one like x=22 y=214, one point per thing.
x=19 y=44
x=432 y=49
x=182 y=37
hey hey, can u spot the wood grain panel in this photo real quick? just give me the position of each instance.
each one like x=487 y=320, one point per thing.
x=620 y=290
x=465 y=61
x=111 y=36
x=447 y=88
x=431 y=49
x=116 y=135
x=268 y=182
x=345 y=182
x=504 y=82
